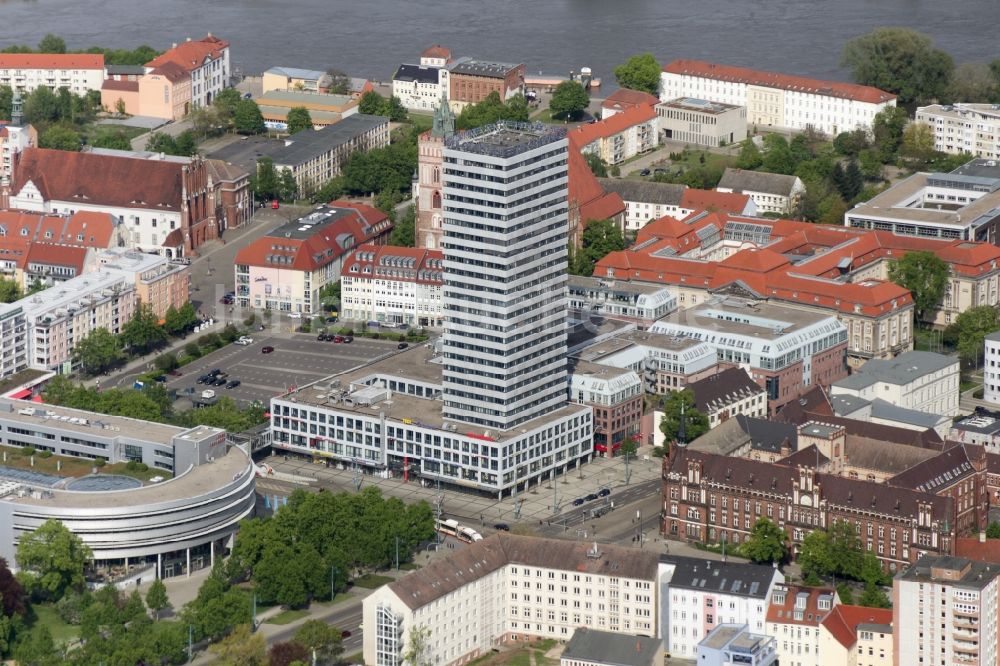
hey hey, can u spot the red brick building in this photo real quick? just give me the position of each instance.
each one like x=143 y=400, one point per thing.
x=616 y=397
x=473 y=80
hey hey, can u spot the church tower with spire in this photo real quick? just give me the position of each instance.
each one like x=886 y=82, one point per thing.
x=430 y=149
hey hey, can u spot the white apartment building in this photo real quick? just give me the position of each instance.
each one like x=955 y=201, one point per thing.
x=793 y=618
x=777 y=100
x=945 y=611
x=991 y=368
x=510 y=588
x=964 y=128
x=79 y=72
x=621 y=136
x=640 y=304
x=205 y=60
x=918 y=380
x=66 y=313
x=698 y=595
x=419 y=87
x=13 y=340
x=13 y=140
x=505 y=254
x=394 y=285
x=730 y=392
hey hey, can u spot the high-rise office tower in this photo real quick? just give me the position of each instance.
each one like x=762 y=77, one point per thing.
x=505 y=260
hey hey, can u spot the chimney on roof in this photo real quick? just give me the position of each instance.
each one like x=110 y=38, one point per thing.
x=189 y=39
x=209 y=34
x=174 y=45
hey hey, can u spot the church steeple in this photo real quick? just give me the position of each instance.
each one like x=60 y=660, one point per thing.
x=444 y=119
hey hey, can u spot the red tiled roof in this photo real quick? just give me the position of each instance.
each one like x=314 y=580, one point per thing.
x=624 y=98
x=354 y=225
x=89 y=229
x=709 y=70
x=974 y=549
x=436 y=51
x=588 y=133
x=114 y=84
x=14 y=250
x=191 y=55
x=52 y=61
x=756 y=260
x=605 y=207
x=843 y=621
x=710 y=200
x=811 y=614
x=57 y=255
x=172 y=72
x=587 y=199
x=426 y=265
x=101 y=179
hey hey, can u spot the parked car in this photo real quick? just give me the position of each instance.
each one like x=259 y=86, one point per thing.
x=203 y=379
x=233 y=384
x=604 y=492
x=266 y=350
x=274 y=204
x=220 y=381
x=402 y=345
x=244 y=341
x=161 y=379
x=213 y=373
x=322 y=337
x=345 y=634
x=175 y=373
x=348 y=339
x=644 y=172
x=578 y=501
x=338 y=338
x=503 y=527
x=591 y=497
x=226 y=300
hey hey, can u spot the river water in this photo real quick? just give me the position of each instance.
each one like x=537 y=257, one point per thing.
x=371 y=37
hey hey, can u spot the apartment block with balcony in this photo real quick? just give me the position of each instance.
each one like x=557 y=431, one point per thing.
x=13 y=340
x=79 y=72
x=620 y=137
x=964 y=128
x=945 y=612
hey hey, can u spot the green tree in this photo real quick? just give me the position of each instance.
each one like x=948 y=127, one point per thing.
x=767 y=543
x=185 y=144
x=266 y=183
x=851 y=143
x=569 y=100
x=38 y=649
x=749 y=157
x=241 y=648
x=417 y=646
x=10 y=290
x=41 y=106
x=156 y=597
x=288 y=188
x=973 y=82
x=870 y=164
x=640 y=72
x=695 y=422
x=6 y=101
x=59 y=137
x=845 y=593
x=901 y=61
x=405 y=230
x=52 y=44
x=321 y=637
x=288 y=653
x=993 y=530
x=491 y=110
x=815 y=557
x=247 y=118
x=143 y=330
x=116 y=140
x=845 y=549
x=600 y=237
x=839 y=178
x=97 y=351
x=777 y=155
x=371 y=103
x=887 y=132
x=298 y=119
x=290 y=576
x=629 y=447
x=597 y=165
x=854 y=180
x=160 y=142
x=970 y=329
x=225 y=103
x=395 y=110
x=217 y=608
x=874 y=597
x=925 y=275
x=917 y=146
x=53 y=559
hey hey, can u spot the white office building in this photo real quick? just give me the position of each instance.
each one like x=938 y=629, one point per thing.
x=918 y=380
x=991 y=368
x=399 y=286
x=505 y=254
x=13 y=340
x=964 y=128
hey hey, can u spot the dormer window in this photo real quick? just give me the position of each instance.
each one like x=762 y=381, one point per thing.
x=24 y=231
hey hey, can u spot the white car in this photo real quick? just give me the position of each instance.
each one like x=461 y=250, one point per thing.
x=244 y=341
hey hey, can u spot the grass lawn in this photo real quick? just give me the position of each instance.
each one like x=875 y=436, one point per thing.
x=287 y=617
x=409 y=566
x=70 y=466
x=358 y=658
x=521 y=656
x=47 y=616
x=420 y=122
x=19 y=378
x=371 y=581
x=95 y=133
x=119 y=468
x=967 y=383
x=341 y=596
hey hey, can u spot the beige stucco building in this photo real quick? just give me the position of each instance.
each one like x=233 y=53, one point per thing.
x=159 y=282
x=917 y=380
x=856 y=636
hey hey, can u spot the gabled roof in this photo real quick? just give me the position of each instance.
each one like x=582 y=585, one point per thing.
x=733 y=578
x=308 y=144
x=191 y=55
x=624 y=98
x=100 y=179
x=587 y=199
x=801 y=605
x=700 y=68
x=402 y=264
x=171 y=71
x=50 y=254
x=710 y=200
x=470 y=563
x=942 y=471
x=755 y=260
x=723 y=389
x=645 y=191
x=436 y=51
x=84 y=228
x=124 y=85
x=52 y=61
x=316 y=240
x=843 y=622
x=417 y=73
x=297 y=73
x=741 y=180
x=588 y=133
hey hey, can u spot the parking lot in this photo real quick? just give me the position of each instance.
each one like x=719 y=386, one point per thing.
x=296 y=360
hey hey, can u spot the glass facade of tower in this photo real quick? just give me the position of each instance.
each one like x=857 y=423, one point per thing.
x=505 y=260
